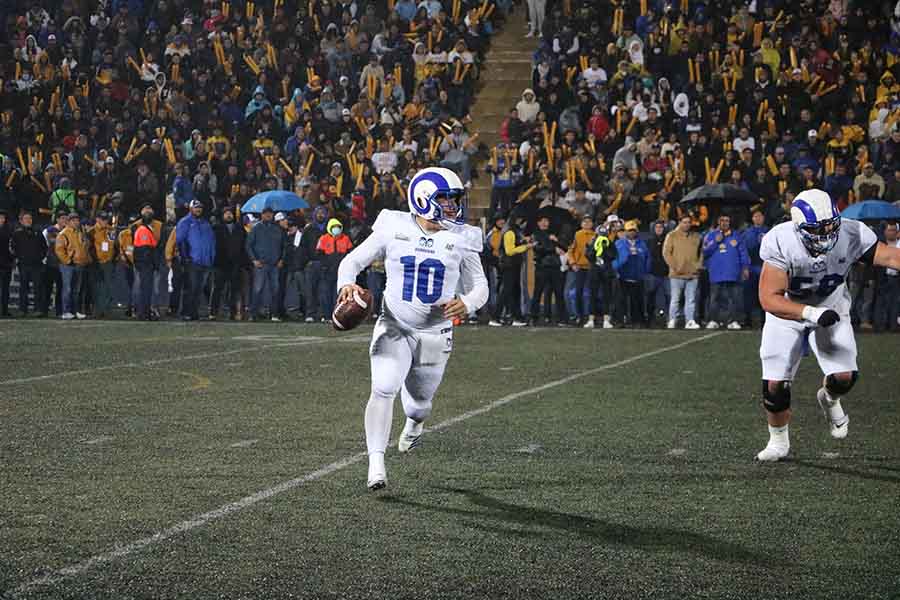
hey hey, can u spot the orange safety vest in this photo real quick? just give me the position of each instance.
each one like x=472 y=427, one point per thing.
x=143 y=236
x=328 y=244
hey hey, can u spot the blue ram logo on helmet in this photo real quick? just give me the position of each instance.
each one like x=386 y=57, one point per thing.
x=438 y=194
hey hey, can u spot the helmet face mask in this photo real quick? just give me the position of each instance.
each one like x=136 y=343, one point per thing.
x=816 y=220
x=821 y=237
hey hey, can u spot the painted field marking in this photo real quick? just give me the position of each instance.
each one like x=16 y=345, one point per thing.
x=171 y=359
x=202 y=519
x=677 y=452
x=243 y=444
x=99 y=440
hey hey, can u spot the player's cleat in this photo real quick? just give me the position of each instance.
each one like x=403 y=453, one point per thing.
x=80 y=316
x=377 y=479
x=838 y=428
x=411 y=435
x=692 y=324
x=671 y=324
x=494 y=323
x=734 y=326
x=607 y=322
x=773 y=453
x=712 y=325
x=67 y=316
x=519 y=324
x=589 y=324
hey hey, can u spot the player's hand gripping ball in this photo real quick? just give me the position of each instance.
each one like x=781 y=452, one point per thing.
x=353 y=309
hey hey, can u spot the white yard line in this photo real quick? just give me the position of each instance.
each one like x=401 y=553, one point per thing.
x=285 y=486
x=99 y=440
x=243 y=444
x=171 y=359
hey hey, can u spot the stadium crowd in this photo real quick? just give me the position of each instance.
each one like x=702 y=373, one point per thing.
x=634 y=104
x=134 y=130
x=130 y=127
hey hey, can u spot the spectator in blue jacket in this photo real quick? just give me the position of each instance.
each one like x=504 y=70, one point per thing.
x=197 y=250
x=752 y=237
x=632 y=264
x=182 y=190
x=728 y=263
x=265 y=247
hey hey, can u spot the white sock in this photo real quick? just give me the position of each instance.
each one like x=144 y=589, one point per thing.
x=778 y=436
x=379 y=413
x=835 y=410
x=376 y=461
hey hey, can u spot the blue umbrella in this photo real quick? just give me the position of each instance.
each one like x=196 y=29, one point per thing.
x=277 y=200
x=872 y=210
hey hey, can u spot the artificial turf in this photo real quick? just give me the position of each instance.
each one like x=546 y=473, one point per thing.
x=634 y=481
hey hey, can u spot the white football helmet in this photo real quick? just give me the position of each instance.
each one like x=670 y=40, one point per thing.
x=816 y=220
x=438 y=194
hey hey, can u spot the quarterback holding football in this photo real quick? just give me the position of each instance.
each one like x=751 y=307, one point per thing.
x=427 y=252
x=803 y=291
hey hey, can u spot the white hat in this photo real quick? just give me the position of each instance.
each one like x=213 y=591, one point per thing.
x=612 y=219
x=280 y=216
x=812 y=133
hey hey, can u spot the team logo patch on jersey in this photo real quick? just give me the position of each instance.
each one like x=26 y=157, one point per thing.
x=426 y=242
x=449 y=247
x=733 y=243
x=817 y=267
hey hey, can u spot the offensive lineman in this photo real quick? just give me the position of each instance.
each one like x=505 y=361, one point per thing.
x=803 y=291
x=426 y=252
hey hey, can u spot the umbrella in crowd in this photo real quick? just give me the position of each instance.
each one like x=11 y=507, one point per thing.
x=872 y=210
x=277 y=200
x=722 y=192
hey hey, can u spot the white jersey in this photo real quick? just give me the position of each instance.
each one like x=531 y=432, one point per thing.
x=818 y=280
x=423 y=269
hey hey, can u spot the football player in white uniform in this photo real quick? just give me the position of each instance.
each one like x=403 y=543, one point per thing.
x=803 y=291
x=426 y=253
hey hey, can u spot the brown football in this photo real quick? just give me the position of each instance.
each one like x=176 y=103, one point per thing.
x=348 y=315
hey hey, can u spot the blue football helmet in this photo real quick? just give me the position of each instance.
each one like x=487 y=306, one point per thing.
x=816 y=220
x=438 y=194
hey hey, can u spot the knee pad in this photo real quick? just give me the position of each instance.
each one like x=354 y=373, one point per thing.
x=836 y=387
x=778 y=401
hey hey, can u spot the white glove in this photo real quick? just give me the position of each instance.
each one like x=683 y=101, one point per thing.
x=820 y=317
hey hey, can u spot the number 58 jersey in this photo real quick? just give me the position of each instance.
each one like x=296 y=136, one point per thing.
x=818 y=280
x=423 y=269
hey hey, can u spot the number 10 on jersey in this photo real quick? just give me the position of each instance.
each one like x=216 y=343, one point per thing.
x=427 y=280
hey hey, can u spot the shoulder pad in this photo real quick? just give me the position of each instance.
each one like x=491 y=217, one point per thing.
x=388 y=221
x=472 y=237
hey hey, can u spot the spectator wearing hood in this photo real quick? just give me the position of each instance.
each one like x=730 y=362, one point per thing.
x=549 y=277
x=627 y=155
x=182 y=190
x=265 y=248
x=257 y=103
x=332 y=247
x=657 y=280
x=528 y=107
x=197 y=248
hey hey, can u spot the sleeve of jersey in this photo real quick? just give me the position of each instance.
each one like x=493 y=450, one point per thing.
x=770 y=251
x=361 y=257
x=473 y=281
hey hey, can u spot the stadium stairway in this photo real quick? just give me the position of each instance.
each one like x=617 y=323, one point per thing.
x=507 y=73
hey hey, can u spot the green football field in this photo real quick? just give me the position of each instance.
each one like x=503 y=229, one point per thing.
x=227 y=461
